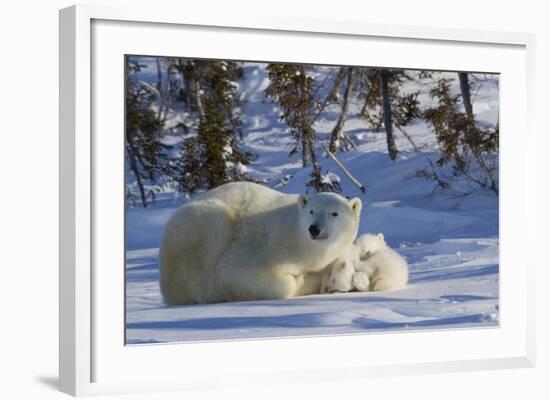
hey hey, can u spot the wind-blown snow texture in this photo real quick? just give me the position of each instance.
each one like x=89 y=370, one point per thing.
x=451 y=245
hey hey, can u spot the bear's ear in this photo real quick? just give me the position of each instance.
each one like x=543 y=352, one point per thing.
x=380 y=237
x=356 y=206
x=302 y=201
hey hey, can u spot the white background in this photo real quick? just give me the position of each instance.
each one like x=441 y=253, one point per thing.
x=29 y=186
x=138 y=365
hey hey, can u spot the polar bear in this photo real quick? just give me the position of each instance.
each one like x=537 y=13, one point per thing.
x=370 y=265
x=243 y=241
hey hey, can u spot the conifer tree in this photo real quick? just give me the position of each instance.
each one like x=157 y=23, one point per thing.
x=293 y=89
x=145 y=152
x=460 y=138
x=213 y=157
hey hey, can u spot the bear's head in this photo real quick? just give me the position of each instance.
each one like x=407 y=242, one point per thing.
x=329 y=219
x=369 y=243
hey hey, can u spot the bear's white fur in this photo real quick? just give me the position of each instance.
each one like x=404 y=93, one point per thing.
x=387 y=269
x=244 y=241
x=370 y=266
x=338 y=276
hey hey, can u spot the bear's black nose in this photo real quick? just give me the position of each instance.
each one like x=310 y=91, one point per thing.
x=314 y=230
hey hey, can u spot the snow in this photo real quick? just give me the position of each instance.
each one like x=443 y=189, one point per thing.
x=330 y=178
x=451 y=244
x=445 y=291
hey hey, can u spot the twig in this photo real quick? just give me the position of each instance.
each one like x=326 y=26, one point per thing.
x=409 y=138
x=348 y=140
x=336 y=86
x=345 y=170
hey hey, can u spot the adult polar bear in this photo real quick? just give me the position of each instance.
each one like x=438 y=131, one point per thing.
x=244 y=241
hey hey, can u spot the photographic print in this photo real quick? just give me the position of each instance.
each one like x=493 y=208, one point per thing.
x=270 y=199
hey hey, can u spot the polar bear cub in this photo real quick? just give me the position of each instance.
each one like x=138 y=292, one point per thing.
x=339 y=275
x=369 y=266
x=387 y=270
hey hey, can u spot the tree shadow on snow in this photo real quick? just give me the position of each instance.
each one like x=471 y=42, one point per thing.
x=444 y=274
x=304 y=320
x=474 y=319
x=465 y=298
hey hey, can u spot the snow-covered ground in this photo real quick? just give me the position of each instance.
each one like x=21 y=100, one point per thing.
x=451 y=245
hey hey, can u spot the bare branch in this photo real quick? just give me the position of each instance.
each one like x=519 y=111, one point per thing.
x=407 y=136
x=345 y=170
x=337 y=83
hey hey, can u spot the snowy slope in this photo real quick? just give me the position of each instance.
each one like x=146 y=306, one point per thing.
x=450 y=244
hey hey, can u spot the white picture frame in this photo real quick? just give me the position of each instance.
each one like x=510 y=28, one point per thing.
x=93 y=360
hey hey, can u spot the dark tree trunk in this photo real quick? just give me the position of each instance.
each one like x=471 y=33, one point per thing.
x=337 y=131
x=135 y=170
x=185 y=83
x=307 y=132
x=305 y=150
x=198 y=99
x=465 y=91
x=313 y=157
x=159 y=75
x=386 y=109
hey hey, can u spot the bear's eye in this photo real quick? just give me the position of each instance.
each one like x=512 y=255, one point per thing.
x=334 y=214
x=311 y=212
